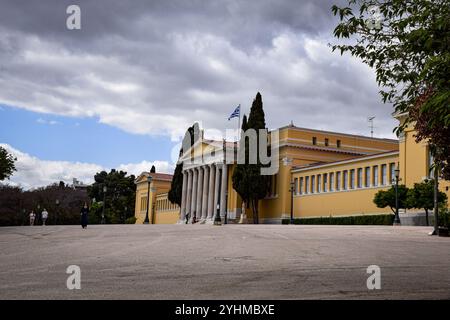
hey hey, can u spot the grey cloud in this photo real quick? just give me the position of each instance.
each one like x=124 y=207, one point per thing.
x=155 y=67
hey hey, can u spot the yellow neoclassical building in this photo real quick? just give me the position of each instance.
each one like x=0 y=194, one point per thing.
x=333 y=174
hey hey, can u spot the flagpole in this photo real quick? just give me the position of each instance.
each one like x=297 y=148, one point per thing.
x=239 y=123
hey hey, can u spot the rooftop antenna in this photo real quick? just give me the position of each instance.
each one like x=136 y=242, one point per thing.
x=370 y=120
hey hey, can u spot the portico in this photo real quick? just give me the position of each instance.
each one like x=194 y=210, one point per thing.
x=204 y=190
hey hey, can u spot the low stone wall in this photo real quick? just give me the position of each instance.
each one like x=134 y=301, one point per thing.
x=416 y=218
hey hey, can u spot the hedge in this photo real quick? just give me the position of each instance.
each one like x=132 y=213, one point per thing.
x=381 y=219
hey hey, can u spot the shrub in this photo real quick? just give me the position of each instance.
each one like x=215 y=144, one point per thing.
x=131 y=220
x=381 y=219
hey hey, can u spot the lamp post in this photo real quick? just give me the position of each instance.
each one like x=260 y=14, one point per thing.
x=23 y=216
x=38 y=214
x=149 y=180
x=397 y=217
x=226 y=207
x=57 y=210
x=104 y=204
x=125 y=214
x=292 y=189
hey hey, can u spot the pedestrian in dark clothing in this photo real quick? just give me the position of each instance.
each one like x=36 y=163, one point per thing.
x=84 y=215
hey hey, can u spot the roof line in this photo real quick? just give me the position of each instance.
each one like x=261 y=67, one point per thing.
x=329 y=164
x=337 y=133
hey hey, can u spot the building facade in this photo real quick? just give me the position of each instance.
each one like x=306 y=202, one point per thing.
x=329 y=173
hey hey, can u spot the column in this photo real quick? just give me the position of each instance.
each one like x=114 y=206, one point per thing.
x=223 y=191
x=183 y=198
x=188 y=193
x=216 y=191
x=205 y=194
x=194 y=193
x=212 y=176
x=198 y=207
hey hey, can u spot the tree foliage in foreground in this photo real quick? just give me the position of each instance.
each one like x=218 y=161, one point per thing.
x=7 y=166
x=407 y=42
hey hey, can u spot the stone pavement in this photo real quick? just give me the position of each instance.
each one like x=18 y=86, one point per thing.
x=227 y=262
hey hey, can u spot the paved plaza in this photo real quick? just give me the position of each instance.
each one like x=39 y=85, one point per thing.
x=227 y=262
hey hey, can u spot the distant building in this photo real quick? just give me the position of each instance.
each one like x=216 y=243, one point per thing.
x=160 y=209
x=79 y=185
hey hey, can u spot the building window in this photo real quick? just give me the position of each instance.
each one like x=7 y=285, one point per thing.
x=338 y=143
x=326 y=142
x=338 y=181
x=383 y=174
x=352 y=179
x=301 y=185
x=375 y=176
x=392 y=172
x=345 y=178
x=319 y=183
x=296 y=186
x=313 y=183
x=325 y=182
x=360 y=177
x=143 y=203
x=367 y=177
x=331 y=181
x=314 y=140
x=307 y=185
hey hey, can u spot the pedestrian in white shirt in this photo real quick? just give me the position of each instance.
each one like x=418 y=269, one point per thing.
x=32 y=217
x=44 y=216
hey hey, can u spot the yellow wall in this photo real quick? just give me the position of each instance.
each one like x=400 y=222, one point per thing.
x=157 y=187
x=165 y=211
x=414 y=160
x=343 y=202
x=296 y=145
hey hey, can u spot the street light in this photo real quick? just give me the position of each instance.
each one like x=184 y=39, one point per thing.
x=104 y=204
x=226 y=208
x=37 y=213
x=292 y=189
x=149 y=180
x=125 y=215
x=57 y=210
x=23 y=216
x=396 y=218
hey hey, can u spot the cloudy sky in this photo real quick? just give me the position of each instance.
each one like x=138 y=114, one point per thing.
x=120 y=92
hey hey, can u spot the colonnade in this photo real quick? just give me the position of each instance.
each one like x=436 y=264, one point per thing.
x=204 y=192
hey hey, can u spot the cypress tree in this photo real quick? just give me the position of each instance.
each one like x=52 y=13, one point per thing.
x=247 y=178
x=153 y=169
x=239 y=182
x=176 y=185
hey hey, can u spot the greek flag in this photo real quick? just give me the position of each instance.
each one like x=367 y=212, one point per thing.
x=236 y=113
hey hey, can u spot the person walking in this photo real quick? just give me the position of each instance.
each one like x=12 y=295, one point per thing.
x=32 y=217
x=84 y=216
x=44 y=216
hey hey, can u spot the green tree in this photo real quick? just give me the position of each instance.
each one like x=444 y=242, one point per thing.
x=422 y=196
x=408 y=45
x=251 y=185
x=153 y=169
x=176 y=185
x=7 y=166
x=239 y=178
x=386 y=198
x=120 y=195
